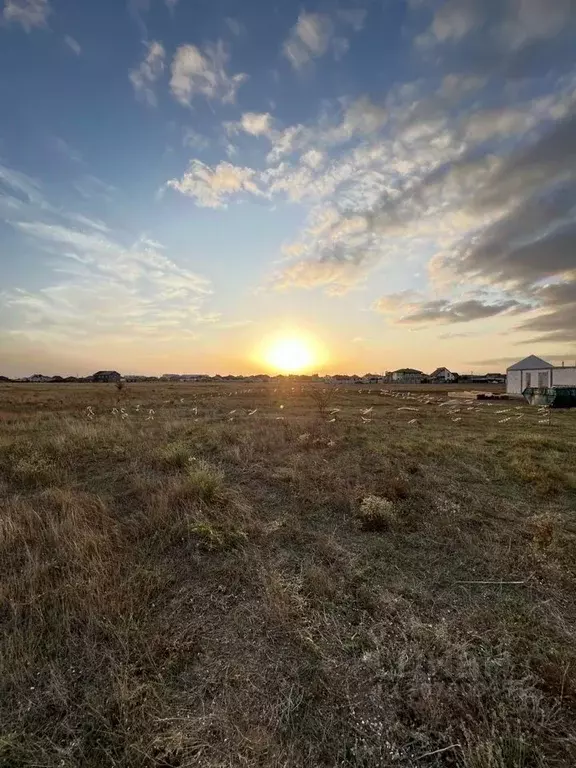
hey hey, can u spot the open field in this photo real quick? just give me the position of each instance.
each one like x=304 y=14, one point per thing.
x=229 y=576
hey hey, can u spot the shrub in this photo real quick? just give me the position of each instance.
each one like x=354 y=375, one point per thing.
x=376 y=514
x=175 y=455
x=204 y=481
x=323 y=399
x=213 y=538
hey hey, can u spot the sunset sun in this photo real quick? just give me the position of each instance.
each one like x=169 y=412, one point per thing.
x=290 y=354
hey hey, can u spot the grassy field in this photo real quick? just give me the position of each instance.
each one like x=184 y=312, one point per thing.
x=230 y=576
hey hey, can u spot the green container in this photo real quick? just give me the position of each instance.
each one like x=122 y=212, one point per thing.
x=555 y=397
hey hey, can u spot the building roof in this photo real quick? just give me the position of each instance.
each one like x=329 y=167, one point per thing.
x=107 y=373
x=409 y=370
x=438 y=371
x=529 y=364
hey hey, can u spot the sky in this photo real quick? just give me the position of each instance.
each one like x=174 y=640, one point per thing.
x=182 y=182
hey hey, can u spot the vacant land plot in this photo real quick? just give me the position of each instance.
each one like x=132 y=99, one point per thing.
x=260 y=576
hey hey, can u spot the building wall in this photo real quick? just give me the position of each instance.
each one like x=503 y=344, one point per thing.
x=517 y=381
x=514 y=382
x=536 y=378
x=564 y=377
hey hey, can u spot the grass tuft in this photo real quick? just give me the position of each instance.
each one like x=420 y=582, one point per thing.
x=376 y=514
x=175 y=455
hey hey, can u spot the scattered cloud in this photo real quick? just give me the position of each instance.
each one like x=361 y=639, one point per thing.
x=27 y=13
x=394 y=302
x=236 y=27
x=340 y=47
x=354 y=17
x=450 y=335
x=64 y=148
x=193 y=139
x=254 y=123
x=148 y=72
x=455 y=19
x=308 y=39
x=527 y=20
x=18 y=187
x=474 y=177
x=212 y=187
x=313 y=158
x=336 y=278
x=314 y=34
x=510 y=37
x=73 y=44
x=138 y=10
x=105 y=290
x=90 y=187
x=361 y=117
x=445 y=311
x=203 y=72
x=171 y=4
x=454 y=87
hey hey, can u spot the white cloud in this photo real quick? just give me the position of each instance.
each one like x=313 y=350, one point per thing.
x=308 y=39
x=96 y=224
x=401 y=186
x=355 y=17
x=336 y=277
x=73 y=44
x=532 y=19
x=362 y=117
x=211 y=187
x=256 y=124
x=359 y=119
x=313 y=158
x=149 y=71
x=287 y=141
x=28 y=13
x=313 y=35
x=171 y=4
x=14 y=183
x=196 y=72
x=253 y=123
x=106 y=290
x=334 y=252
x=454 y=19
x=456 y=86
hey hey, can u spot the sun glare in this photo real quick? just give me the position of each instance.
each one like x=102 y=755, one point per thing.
x=290 y=355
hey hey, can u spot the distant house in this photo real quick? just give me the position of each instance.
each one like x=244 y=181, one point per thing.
x=106 y=376
x=407 y=376
x=443 y=374
x=535 y=372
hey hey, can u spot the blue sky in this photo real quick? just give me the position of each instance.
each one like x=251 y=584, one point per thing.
x=183 y=180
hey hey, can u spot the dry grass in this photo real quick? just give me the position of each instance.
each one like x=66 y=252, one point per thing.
x=214 y=585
